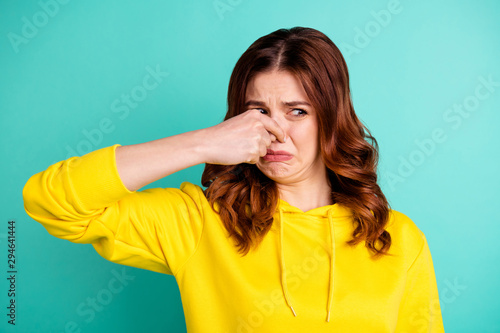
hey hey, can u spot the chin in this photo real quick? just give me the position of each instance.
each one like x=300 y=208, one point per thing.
x=275 y=171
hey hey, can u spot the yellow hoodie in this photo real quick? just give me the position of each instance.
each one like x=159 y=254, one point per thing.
x=303 y=277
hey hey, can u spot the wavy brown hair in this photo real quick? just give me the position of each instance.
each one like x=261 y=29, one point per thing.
x=247 y=199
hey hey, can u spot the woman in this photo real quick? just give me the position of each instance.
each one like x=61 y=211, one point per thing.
x=292 y=233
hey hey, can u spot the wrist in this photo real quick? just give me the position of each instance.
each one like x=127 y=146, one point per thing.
x=201 y=146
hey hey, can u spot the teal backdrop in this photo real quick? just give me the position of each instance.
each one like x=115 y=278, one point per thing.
x=425 y=79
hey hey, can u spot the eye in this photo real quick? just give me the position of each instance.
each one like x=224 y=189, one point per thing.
x=261 y=110
x=299 y=112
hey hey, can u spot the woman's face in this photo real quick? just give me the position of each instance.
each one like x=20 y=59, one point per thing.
x=280 y=95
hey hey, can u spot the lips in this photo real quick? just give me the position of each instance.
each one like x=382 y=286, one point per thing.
x=277 y=156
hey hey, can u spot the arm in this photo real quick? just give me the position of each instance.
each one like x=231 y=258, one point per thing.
x=93 y=198
x=420 y=309
x=141 y=164
x=83 y=200
x=246 y=136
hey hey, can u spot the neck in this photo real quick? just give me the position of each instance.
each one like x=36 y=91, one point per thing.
x=306 y=195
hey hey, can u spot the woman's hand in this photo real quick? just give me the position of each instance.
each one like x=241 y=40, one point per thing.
x=241 y=139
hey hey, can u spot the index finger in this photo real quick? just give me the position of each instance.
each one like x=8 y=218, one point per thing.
x=272 y=127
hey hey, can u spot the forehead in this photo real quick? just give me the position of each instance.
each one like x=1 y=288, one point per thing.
x=276 y=84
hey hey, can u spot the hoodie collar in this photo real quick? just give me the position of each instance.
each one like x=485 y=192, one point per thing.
x=326 y=211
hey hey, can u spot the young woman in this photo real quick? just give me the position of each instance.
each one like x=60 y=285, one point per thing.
x=292 y=233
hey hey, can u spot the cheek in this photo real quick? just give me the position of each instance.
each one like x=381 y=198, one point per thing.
x=304 y=137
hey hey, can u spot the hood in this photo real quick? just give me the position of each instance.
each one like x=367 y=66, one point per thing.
x=330 y=212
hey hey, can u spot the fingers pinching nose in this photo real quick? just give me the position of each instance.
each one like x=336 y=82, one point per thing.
x=284 y=138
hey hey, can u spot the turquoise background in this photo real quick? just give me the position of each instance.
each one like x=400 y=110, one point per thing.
x=64 y=78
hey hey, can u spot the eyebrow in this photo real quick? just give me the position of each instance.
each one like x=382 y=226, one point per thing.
x=291 y=103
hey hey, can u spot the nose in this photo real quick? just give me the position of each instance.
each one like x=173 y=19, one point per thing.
x=279 y=118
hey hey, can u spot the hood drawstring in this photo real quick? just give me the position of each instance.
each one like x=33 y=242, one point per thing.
x=283 y=269
x=332 y=262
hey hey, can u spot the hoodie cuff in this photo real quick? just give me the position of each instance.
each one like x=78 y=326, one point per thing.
x=95 y=178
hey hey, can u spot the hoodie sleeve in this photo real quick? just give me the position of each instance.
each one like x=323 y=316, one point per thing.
x=420 y=310
x=83 y=200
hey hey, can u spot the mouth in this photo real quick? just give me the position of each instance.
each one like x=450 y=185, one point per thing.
x=277 y=156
